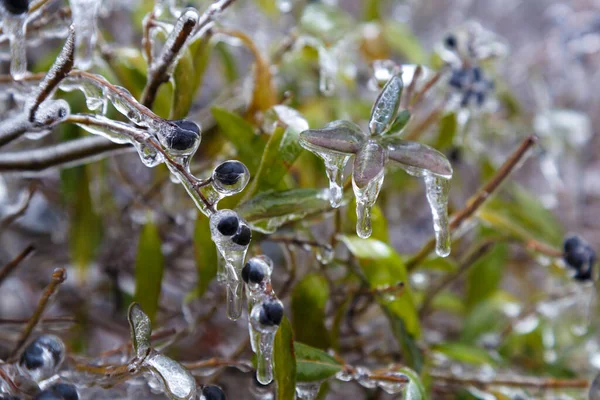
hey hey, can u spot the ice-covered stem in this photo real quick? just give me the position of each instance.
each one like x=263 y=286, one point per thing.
x=440 y=378
x=58 y=276
x=14 y=263
x=218 y=362
x=158 y=73
x=59 y=71
x=479 y=198
x=467 y=263
x=158 y=70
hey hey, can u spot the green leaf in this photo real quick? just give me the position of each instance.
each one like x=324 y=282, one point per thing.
x=129 y=67
x=284 y=362
x=206 y=255
x=309 y=299
x=383 y=267
x=485 y=275
x=400 y=38
x=149 y=266
x=465 y=353
x=242 y=136
x=189 y=74
x=313 y=364
x=281 y=150
x=447 y=130
x=485 y=317
x=415 y=389
x=141 y=329
x=269 y=210
x=400 y=122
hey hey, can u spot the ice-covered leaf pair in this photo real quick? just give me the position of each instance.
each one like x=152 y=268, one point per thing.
x=339 y=140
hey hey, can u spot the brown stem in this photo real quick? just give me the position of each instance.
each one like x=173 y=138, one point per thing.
x=534 y=382
x=58 y=276
x=14 y=263
x=411 y=88
x=479 y=252
x=297 y=242
x=218 y=362
x=479 y=198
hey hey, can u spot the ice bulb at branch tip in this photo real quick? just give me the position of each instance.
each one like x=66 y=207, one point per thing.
x=230 y=177
x=180 y=138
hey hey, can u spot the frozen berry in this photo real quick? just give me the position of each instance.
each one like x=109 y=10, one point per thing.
x=213 y=392
x=230 y=172
x=253 y=271
x=16 y=6
x=228 y=225
x=43 y=356
x=271 y=313
x=65 y=390
x=580 y=256
x=54 y=345
x=47 y=395
x=243 y=236
x=185 y=137
x=450 y=41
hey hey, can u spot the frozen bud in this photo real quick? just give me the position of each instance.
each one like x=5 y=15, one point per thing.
x=230 y=177
x=257 y=270
x=267 y=316
x=182 y=137
x=580 y=256
x=42 y=357
x=16 y=6
x=58 y=391
x=212 y=392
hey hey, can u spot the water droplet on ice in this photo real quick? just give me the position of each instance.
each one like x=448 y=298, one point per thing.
x=307 y=390
x=437 y=189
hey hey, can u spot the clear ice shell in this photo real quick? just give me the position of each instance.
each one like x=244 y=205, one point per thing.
x=256 y=289
x=85 y=17
x=15 y=28
x=95 y=96
x=365 y=200
x=234 y=188
x=178 y=382
x=325 y=254
x=437 y=189
x=386 y=106
x=49 y=365
x=307 y=390
x=265 y=336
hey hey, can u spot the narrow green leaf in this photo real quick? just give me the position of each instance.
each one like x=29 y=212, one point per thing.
x=149 y=266
x=284 y=362
x=206 y=255
x=269 y=210
x=485 y=275
x=189 y=74
x=281 y=150
x=415 y=389
x=383 y=267
x=447 y=130
x=313 y=364
x=141 y=329
x=309 y=299
x=465 y=353
x=242 y=136
x=400 y=122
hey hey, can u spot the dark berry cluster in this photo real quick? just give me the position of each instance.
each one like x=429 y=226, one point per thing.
x=579 y=256
x=271 y=313
x=471 y=84
x=212 y=392
x=254 y=272
x=230 y=226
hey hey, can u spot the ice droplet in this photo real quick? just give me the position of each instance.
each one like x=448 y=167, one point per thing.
x=393 y=387
x=95 y=97
x=437 y=189
x=363 y=376
x=230 y=177
x=307 y=390
x=231 y=235
x=365 y=200
x=85 y=17
x=148 y=154
x=15 y=28
x=383 y=71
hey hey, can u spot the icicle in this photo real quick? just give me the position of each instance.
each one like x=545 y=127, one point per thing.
x=15 y=27
x=307 y=390
x=221 y=268
x=95 y=96
x=265 y=319
x=334 y=167
x=85 y=17
x=127 y=105
x=232 y=236
x=365 y=200
x=437 y=189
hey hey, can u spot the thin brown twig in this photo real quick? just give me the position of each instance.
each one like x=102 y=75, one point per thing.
x=58 y=276
x=411 y=87
x=479 y=198
x=534 y=382
x=14 y=263
x=218 y=362
x=475 y=255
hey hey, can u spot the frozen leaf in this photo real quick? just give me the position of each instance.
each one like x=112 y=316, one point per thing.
x=313 y=364
x=338 y=136
x=149 y=267
x=386 y=106
x=417 y=158
x=309 y=299
x=178 y=382
x=485 y=275
x=368 y=164
x=141 y=329
x=284 y=362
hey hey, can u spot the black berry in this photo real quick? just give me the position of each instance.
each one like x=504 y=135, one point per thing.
x=53 y=344
x=213 y=392
x=450 y=41
x=580 y=256
x=185 y=136
x=229 y=172
x=229 y=225
x=271 y=313
x=8 y=397
x=253 y=272
x=243 y=236
x=47 y=395
x=16 y=6
x=33 y=356
x=65 y=390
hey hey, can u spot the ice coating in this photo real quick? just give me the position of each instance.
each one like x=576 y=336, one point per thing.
x=366 y=197
x=307 y=390
x=42 y=357
x=51 y=112
x=328 y=67
x=95 y=96
x=15 y=28
x=177 y=381
x=179 y=138
x=437 y=189
x=383 y=71
x=85 y=20
x=230 y=177
x=231 y=235
x=265 y=333
x=386 y=106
